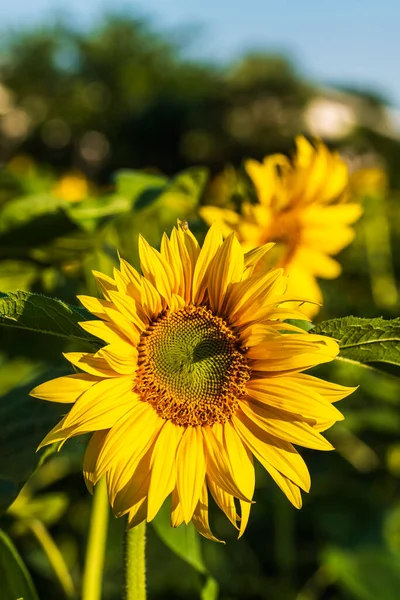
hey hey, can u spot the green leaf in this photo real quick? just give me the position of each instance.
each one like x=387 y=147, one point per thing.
x=88 y=213
x=143 y=189
x=184 y=541
x=15 y=580
x=210 y=590
x=132 y=184
x=17 y=274
x=366 y=574
x=24 y=423
x=305 y=325
x=20 y=211
x=185 y=189
x=365 y=341
x=34 y=312
x=48 y=508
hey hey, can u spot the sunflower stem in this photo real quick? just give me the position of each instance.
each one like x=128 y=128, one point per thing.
x=135 y=562
x=94 y=563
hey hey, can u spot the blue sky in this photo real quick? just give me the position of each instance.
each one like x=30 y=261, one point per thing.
x=353 y=42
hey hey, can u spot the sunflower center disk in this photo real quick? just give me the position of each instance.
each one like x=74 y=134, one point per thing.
x=191 y=367
x=285 y=228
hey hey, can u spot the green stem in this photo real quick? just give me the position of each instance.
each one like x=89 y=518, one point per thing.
x=54 y=556
x=93 y=573
x=135 y=563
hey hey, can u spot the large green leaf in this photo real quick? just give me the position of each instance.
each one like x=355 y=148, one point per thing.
x=17 y=274
x=185 y=189
x=365 y=574
x=16 y=583
x=138 y=192
x=365 y=341
x=24 y=423
x=34 y=312
x=184 y=541
x=90 y=212
x=132 y=184
x=20 y=211
x=144 y=188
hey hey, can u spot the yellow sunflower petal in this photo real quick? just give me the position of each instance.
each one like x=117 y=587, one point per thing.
x=95 y=306
x=151 y=300
x=284 y=426
x=177 y=302
x=200 y=516
x=292 y=362
x=128 y=441
x=227 y=268
x=91 y=364
x=89 y=462
x=225 y=501
x=188 y=252
x=156 y=269
x=123 y=498
x=330 y=240
x=174 y=261
x=218 y=466
x=128 y=308
x=253 y=257
x=190 y=470
x=129 y=273
x=123 y=326
x=105 y=283
x=272 y=451
x=317 y=262
x=121 y=357
x=240 y=458
x=163 y=476
x=177 y=516
x=107 y=400
x=64 y=389
x=287 y=393
x=57 y=434
x=137 y=514
x=212 y=242
x=131 y=279
x=290 y=489
x=249 y=296
x=225 y=219
x=105 y=331
x=333 y=392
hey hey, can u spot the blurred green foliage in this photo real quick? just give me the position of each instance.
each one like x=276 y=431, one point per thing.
x=120 y=112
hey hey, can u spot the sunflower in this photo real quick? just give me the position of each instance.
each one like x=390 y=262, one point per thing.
x=304 y=207
x=199 y=374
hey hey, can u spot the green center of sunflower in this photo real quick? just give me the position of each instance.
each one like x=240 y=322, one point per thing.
x=191 y=367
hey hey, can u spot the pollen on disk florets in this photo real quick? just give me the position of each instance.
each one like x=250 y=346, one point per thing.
x=192 y=368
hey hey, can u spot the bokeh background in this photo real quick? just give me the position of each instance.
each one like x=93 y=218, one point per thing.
x=117 y=122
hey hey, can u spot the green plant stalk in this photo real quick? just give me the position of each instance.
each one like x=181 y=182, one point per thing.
x=54 y=556
x=94 y=563
x=135 y=563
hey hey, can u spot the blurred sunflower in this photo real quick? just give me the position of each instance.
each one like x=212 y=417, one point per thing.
x=199 y=375
x=304 y=207
x=72 y=187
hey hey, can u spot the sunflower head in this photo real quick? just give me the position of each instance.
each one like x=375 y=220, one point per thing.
x=304 y=208
x=72 y=187
x=199 y=374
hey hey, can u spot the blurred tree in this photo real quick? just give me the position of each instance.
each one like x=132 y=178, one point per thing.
x=122 y=95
